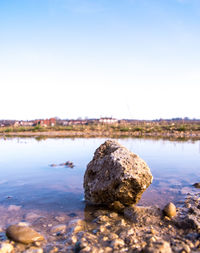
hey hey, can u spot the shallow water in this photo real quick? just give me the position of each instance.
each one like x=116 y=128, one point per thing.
x=27 y=179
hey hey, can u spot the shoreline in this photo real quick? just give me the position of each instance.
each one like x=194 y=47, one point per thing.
x=139 y=229
x=190 y=135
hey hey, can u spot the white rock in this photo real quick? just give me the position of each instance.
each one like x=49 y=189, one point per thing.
x=6 y=247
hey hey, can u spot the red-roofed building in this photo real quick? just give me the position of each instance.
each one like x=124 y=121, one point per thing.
x=45 y=122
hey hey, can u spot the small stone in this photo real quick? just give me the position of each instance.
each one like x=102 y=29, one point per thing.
x=24 y=224
x=14 y=208
x=186 y=248
x=32 y=216
x=6 y=247
x=117 y=243
x=188 y=205
x=72 y=215
x=113 y=215
x=117 y=206
x=54 y=250
x=143 y=215
x=102 y=218
x=34 y=250
x=73 y=239
x=59 y=228
x=78 y=225
x=153 y=231
x=23 y=234
x=158 y=247
x=81 y=244
x=102 y=229
x=197 y=243
x=170 y=210
x=53 y=165
x=152 y=239
x=60 y=218
x=105 y=238
x=196 y=185
x=37 y=244
x=112 y=236
x=108 y=249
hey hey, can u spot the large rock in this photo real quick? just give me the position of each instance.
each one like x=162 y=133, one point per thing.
x=115 y=174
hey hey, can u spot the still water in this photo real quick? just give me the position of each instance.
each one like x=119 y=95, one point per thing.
x=28 y=180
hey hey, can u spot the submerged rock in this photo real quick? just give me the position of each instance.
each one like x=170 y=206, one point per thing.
x=115 y=174
x=58 y=228
x=196 y=185
x=23 y=234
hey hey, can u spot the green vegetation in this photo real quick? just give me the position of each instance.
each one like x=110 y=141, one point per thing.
x=136 y=128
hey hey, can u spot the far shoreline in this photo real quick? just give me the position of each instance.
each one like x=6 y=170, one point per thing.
x=188 y=135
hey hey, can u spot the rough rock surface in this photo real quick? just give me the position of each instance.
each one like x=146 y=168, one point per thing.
x=143 y=215
x=115 y=174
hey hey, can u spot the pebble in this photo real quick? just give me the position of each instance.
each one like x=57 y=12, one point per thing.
x=197 y=243
x=14 y=208
x=23 y=234
x=34 y=250
x=60 y=218
x=113 y=215
x=112 y=236
x=24 y=224
x=117 y=243
x=170 y=210
x=186 y=248
x=103 y=218
x=117 y=206
x=102 y=229
x=108 y=249
x=158 y=247
x=59 y=228
x=32 y=216
x=78 y=225
x=6 y=247
x=196 y=185
x=107 y=231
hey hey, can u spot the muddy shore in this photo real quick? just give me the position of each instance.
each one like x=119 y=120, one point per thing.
x=141 y=229
x=189 y=135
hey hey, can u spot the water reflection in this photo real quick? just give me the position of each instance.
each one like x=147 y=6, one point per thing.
x=26 y=179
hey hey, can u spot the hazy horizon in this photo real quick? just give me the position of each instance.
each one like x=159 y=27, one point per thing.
x=87 y=118
x=134 y=59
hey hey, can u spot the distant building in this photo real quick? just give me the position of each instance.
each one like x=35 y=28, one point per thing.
x=45 y=122
x=7 y=123
x=73 y=122
x=108 y=120
x=24 y=123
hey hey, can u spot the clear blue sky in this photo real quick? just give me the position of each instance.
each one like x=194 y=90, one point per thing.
x=121 y=58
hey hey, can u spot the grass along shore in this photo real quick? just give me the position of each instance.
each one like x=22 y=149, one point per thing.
x=141 y=129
